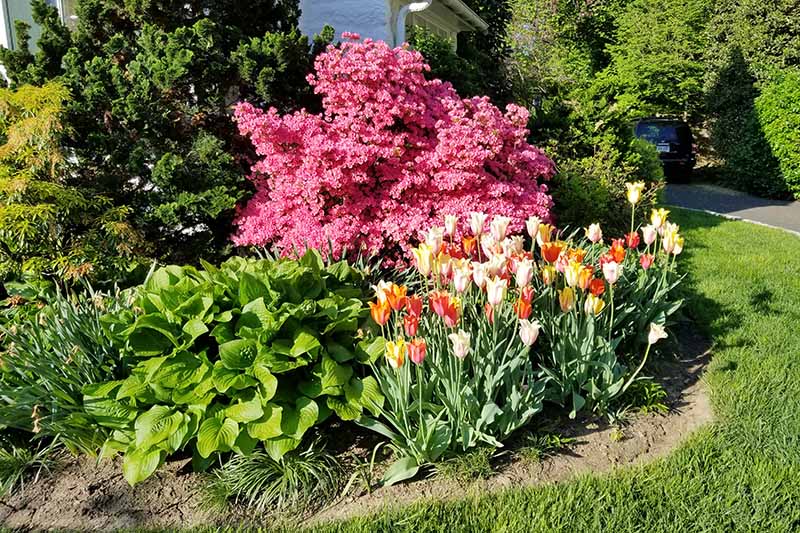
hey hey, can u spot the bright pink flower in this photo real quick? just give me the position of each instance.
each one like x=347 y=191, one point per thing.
x=646 y=260
x=392 y=152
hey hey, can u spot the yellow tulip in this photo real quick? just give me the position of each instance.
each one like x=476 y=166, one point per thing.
x=396 y=353
x=572 y=273
x=423 y=259
x=566 y=298
x=549 y=274
x=593 y=305
x=658 y=217
x=635 y=192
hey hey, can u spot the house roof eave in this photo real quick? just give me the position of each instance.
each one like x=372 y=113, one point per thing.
x=467 y=15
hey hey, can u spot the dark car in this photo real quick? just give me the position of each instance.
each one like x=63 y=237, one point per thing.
x=673 y=141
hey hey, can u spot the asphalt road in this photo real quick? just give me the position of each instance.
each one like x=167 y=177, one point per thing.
x=735 y=204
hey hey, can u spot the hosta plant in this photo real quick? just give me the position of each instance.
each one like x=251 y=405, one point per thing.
x=256 y=351
x=500 y=322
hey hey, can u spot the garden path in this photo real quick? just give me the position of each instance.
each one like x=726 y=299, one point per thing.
x=736 y=205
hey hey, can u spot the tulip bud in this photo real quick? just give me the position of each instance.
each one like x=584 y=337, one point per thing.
x=532 y=225
x=594 y=233
x=566 y=298
x=499 y=227
x=524 y=273
x=416 y=351
x=477 y=222
x=612 y=271
x=649 y=234
x=450 y=224
x=496 y=290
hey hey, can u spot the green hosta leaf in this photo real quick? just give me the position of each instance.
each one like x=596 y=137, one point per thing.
x=278 y=363
x=304 y=342
x=257 y=317
x=344 y=409
x=269 y=382
x=223 y=333
x=250 y=288
x=366 y=392
x=238 y=354
x=369 y=350
x=193 y=329
x=159 y=324
x=279 y=446
x=400 y=470
x=339 y=353
x=245 y=411
x=109 y=413
x=132 y=387
x=156 y=425
x=334 y=374
x=269 y=425
x=101 y=390
x=195 y=307
x=226 y=378
x=183 y=369
x=148 y=342
x=245 y=444
x=139 y=464
x=296 y=421
x=178 y=438
x=216 y=435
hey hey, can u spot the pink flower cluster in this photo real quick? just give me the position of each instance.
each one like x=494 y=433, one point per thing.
x=392 y=152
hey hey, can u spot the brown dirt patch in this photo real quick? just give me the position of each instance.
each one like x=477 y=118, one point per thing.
x=86 y=495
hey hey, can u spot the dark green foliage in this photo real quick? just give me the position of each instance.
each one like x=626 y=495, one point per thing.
x=225 y=358
x=47 y=226
x=19 y=462
x=446 y=64
x=778 y=110
x=153 y=83
x=489 y=50
x=296 y=483
x=737 y=135
x=658 y=56
x=48 y=361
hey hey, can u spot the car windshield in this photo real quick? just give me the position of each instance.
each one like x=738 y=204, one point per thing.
x=662 y=133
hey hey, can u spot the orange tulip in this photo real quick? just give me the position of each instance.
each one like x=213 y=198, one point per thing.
x=416 y=350
x=470 y=244
x=551 y=250
x=618 y=250
x=414 y=305
x=576 y=254
x=585 y=277
x=380 y=312
x=523 y=308
x=410 y=325
x=597 y=287
x=396 y=296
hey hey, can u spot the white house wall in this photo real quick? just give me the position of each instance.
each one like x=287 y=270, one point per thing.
x=369 y=18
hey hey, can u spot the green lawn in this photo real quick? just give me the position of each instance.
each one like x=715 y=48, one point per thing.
x=740 y=474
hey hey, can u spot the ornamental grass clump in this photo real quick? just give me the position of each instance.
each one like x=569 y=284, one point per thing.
x=392 y=152
x=502 y=322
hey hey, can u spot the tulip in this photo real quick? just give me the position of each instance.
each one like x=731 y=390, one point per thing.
x=612 y=270
x=594 y=233
x=462 y=275
x=617 y=250
x=496 y=290
x=435 y=238
x=410 y=325
x=396 y=296
x=423 y=259
x=380 y=312
x=634 y=192
x=477 y=222
x=517 y=244
x=646 y=260
x=414 y=306
x=470 y=244
x=452 y=312
x=597 y=287
x=576 y=254
x=585 y=277
x=572 y=273
x=656 y=333
x=499 y=227
x=566 y=298
x=496 y=266
x=522 y=307
x=670 y=237
x=439 y=302
x=479 y=274
x=532 y=225
x=632 y=240
x=489 y=310
x=381 y=290
x=524 y=273
x=593 y=305
x=678 y=246
x=551 y=251
x=396 y=353
x=444 y=266
x=487 y=243
x=450 y=225
x=658 y=217
x=649 y=233
x=545 y=234
x=548 y=274
x=460 y=342
x=416 y=350
x=529 y=331
x=526 y=294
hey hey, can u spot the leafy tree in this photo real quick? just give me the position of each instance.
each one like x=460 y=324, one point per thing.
x=48 y=227
x=153 y=82
x=658 y=56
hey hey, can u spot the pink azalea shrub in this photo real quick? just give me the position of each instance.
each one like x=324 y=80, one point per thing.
x=391 y=152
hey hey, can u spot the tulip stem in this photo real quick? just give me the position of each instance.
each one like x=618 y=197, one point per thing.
x=611 y=317
x=638 y=369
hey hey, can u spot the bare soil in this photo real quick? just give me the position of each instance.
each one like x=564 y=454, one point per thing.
x=85 y=495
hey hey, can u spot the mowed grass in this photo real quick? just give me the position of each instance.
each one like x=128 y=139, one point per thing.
x=742 y=473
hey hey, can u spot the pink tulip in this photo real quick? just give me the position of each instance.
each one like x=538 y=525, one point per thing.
x=524 y=272
x=594 y=233
x=612 y=271
x=649 y=234
x=532 y=225
x=529 y=331
x=479 y=274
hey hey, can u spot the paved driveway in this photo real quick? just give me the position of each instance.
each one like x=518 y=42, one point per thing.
x=735 y=204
